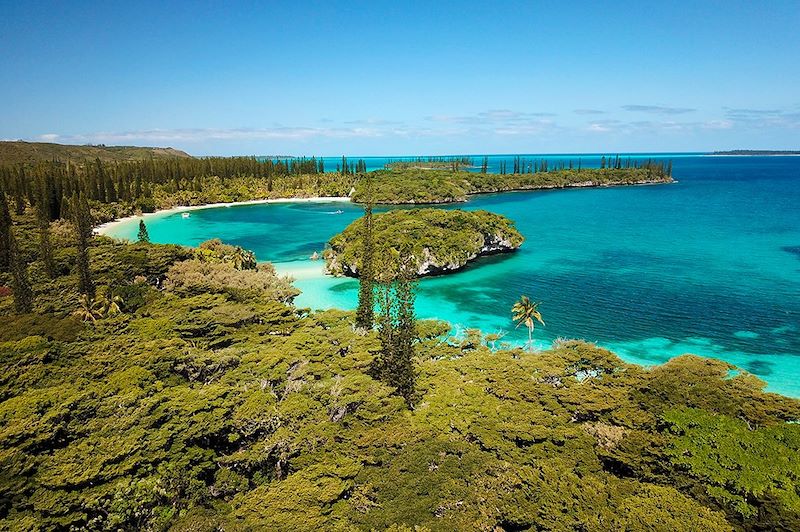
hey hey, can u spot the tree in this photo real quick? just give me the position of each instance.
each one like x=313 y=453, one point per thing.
x=405 y=292
x=93 y=309
x=397 y=328
x=19 y=193
x=88 y=309
x=143 y=236
x=5 y=233
x=109 y=304
x=82 y=219
x=525 y=312
x=23 y=295
x=366 y=281
x=45 y=247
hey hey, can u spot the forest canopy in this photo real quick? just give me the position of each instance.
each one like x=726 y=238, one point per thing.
x=157 y=387
x=208 y=401
x=17 y=152
x=419 y=185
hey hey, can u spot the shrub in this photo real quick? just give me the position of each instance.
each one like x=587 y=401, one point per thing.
x=215 y=251
x=193 y=277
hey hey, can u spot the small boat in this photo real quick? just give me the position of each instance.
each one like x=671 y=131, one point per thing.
x=185 y=215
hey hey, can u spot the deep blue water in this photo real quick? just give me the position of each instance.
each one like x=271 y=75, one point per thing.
x=708 y=265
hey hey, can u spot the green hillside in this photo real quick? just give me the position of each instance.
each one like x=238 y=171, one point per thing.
x=16 y=152
x=191 y=394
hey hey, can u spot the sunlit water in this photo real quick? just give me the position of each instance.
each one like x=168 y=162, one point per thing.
x=709 y=265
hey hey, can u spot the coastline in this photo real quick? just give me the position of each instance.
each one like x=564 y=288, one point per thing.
x=579 y=185
x=104 y=228
x=751 y=155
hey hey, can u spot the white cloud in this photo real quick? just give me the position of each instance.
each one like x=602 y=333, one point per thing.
x=718 y=124
x=658 y=109
x=598 y=128
x=763 y=118
x=492 y=116
x=207 y=134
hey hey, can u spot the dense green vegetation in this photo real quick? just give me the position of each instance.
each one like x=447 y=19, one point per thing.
x=116 y=188
x=209 y=402
x=365 y=310
x=435 y=240
x=17 y=152
x=420 y=185
x=157 y=387
x=429 y=163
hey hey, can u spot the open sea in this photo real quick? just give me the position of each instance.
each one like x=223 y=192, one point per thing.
x=709 y=265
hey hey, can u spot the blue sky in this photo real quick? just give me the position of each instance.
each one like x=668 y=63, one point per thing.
x=380 y=78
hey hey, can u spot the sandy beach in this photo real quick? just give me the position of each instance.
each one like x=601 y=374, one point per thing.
x=298 y=270
x=108 y=226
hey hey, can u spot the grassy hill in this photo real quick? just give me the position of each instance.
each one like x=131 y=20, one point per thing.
x=16 y=152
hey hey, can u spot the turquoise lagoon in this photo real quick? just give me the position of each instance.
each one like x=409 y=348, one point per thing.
x=709 y=265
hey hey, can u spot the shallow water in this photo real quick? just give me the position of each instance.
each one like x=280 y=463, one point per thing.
x=709 y=265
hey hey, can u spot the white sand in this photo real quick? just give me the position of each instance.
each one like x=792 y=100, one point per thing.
x=305 y=269
x=108 y=226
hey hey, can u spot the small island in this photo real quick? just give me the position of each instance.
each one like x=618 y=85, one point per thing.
x=432 y=163
x=439 y=241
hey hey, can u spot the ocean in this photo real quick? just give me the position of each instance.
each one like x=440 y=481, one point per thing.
x=708 y=265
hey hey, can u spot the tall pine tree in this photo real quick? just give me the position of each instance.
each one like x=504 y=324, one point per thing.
x=143 y=236
x=23 y=295
x=82 y=219
x=45 y=247
x=366 y=277
x=5 y=234
x=397 y=330
x=404 y=375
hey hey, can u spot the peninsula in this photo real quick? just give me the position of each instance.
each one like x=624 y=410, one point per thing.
x=757 y=152
x=413 y=185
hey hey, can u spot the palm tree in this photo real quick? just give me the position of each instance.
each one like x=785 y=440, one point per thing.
x=109 y=304
x=103 y=306
x=89 y=309
x=526 y=311
x=243 y=259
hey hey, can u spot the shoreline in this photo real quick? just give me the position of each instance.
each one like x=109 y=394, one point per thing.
x=579 y=185
x=104 y=228
x=752 y=155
